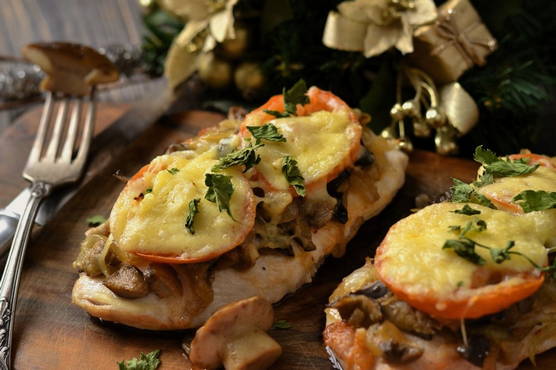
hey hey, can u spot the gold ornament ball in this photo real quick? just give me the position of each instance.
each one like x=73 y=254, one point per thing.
x=421 y=129
x=445 y=142
x=410 y=109
x=389 y=132
x=249 y=79
x=396 y=112
x=406 y=145
x=234 y=48
x=435 y=118
x=215 y=72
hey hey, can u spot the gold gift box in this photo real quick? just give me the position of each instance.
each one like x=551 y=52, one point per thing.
x=457 y=41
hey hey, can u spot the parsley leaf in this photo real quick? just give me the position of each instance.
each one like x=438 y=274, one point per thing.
x=293 y=175
x=465 y=193
x=220 y=190
x=464 y=248
x=500 y=255
x=149 y=190
x=484 y=156
x=173 y=170
x=147 y=361
x=468 y=211
x=485 y=179
x=511 y=168
x=294 y=96
x=476 y=225
x=531 y=200
x=275 y=113
x=267 y=132
x=498 y=167
x=281 y=324
x=193 y=210
x=246 y=156
x=95 y=220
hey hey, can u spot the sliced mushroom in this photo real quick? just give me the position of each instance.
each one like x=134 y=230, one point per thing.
x=70 y=68
x=127 y=282
x=235 y=337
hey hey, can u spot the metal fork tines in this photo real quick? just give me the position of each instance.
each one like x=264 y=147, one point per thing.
x=57 y=157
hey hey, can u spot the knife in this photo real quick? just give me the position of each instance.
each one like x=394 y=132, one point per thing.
x=120 y=133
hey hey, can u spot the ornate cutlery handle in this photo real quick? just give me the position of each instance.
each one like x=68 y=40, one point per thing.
x=10 y=278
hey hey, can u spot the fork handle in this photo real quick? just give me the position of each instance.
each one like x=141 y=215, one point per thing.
x=12 y=271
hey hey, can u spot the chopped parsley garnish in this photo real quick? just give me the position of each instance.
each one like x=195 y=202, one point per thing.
x=220 y=190
x=267 y=132
x=193 y=210
x=475 y=225
x=95 y=220
x=465 y=193
x=149 y=190
x=531 y=200
x=464 y=248
x=292 y=97
x=246 y=156
x=173 y=170
x=468 y=211
x=281 y=324
x=293 y=175
x=147 y=361
x=498 y=167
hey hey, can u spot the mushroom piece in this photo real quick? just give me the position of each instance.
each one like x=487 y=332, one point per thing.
x=70 y=68
x=235 y=336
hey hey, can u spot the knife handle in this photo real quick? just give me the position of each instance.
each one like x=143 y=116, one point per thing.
x=8 y=223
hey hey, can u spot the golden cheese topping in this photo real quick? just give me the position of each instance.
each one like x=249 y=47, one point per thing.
x=412 y=254
x=155 y=224
x=321 y=143
x=505 y=188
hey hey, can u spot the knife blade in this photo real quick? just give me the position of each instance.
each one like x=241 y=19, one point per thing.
x=120 y=133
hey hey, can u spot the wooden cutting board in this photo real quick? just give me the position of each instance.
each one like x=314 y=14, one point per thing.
x=51 y=333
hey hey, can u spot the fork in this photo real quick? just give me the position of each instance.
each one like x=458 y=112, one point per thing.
x=57 y=166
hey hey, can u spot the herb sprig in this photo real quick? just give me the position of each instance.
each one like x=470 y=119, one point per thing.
x=495 y=166
x=246 y=156
x=266 y=132
x=465 y=247
x=531 y=200
x=147 y=361
x=297 y=94
x=293 y=175
x=193 y=210
x=220 y=190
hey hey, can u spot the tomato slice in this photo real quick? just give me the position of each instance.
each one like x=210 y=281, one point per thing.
x=411 y=261
x=153 y=226
x=319 y=160
x=503 y=190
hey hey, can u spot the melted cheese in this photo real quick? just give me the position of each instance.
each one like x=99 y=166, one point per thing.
x=505 y=188
x=320 y=143
x=156 y=224
x=412 y=254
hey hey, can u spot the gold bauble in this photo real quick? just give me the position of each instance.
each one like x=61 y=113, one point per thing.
x=249 y=79
x=420 y=128
x=445 y=140
x=396 y=112
x=215 y=72
x=389 y=132
x=235 y=48
x=405 y=144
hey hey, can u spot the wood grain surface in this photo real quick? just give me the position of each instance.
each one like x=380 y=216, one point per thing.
x=51 y=333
